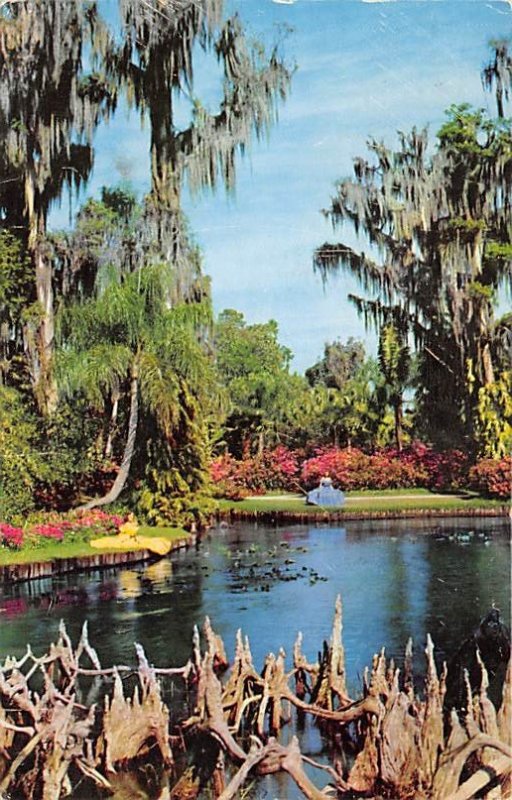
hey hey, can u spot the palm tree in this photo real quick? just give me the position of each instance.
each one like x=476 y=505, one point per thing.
x=129 y=336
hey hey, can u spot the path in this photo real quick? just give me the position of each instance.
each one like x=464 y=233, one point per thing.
x=364 y=498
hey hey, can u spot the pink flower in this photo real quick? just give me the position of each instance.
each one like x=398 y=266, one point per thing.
x=11 y=536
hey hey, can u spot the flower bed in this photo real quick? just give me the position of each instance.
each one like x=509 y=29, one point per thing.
x=419 y=466
x=75 y=526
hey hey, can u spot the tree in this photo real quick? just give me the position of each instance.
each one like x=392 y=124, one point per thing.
x=497 y=74
x=49 y=110
x=254 y=368
x=15 y=285
x=155 y=62
x=128 y=336
x=395 y=365
x=437 y=224
x=339 y=364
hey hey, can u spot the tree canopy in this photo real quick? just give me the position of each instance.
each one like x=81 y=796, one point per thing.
x=440 y=227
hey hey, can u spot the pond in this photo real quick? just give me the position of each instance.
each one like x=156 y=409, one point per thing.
x=397 y=579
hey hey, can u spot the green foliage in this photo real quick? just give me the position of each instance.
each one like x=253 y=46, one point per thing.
x=23 y=464
x=171 y=474
x=254 y=369
x=394 y=361
x=493 y=423
x=15 y=294
x=339 y=364
x=243 y=350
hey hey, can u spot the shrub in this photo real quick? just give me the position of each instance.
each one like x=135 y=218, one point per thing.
x=11 y=536
x=445 y=470
x=352 y=469
x=493 y=477
x=50 y=531
x=21 y=464
x=273 y=469
x=75 y=526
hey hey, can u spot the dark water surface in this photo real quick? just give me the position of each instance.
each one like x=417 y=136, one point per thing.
x=397 y=579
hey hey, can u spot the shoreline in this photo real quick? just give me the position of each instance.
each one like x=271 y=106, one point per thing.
x=34 y=570
x=283 y=516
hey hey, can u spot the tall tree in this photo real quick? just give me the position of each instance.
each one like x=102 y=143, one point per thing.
x=160 y=42
x=339 y=364
x=49 y=107
x=254 y=368
x=438 y=224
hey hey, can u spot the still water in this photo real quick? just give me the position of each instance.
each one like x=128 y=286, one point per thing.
x=397 y=579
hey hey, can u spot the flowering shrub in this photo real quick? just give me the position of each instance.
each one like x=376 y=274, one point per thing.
x=493 y=477
x=274 y=469
x=350 y=468
x=10 y=536
x=445 y=470
x=79 y=525
x=49 y=531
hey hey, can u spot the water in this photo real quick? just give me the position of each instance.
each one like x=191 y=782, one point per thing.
x=397 y=579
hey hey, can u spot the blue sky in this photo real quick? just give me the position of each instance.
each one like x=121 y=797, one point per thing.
x=363 y=69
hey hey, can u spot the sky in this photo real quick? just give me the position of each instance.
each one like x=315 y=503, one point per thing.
x=363 y=69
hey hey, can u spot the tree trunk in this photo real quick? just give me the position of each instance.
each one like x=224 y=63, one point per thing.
x=487 y=366
x=39 y=332
x=124 y=469
x=397 y=407
x=112 y=423
x=46 y=386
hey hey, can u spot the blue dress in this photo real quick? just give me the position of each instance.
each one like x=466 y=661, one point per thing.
x=325 y=495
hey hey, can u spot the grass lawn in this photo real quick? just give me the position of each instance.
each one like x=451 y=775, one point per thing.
x=50 y=549
x=367 y=501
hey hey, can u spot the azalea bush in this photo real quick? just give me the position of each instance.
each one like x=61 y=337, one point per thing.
x=75 y=526
x=493 y=477
x=439 y=470
x=10 y=536
x=273 y=469
x=350 y=468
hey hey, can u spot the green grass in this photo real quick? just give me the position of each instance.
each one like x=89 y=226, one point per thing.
x=367 y=501
x=51 y=549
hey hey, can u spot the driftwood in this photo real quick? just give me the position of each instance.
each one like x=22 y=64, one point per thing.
x=403 y=745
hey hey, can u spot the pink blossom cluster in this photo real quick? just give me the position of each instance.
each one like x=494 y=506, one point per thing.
x=272 y=469
x=49 y=531
x=95 y=522
x=493 y=477
x=10 y=536
x=419 y=465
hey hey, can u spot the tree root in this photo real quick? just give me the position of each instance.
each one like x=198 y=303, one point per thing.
x=404 y=746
